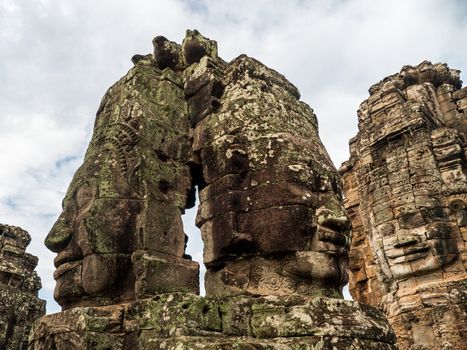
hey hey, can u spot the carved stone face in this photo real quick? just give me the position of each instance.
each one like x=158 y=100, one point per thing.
x=332 y=234
x=422 y=233
x=129 y=194
x=316 y=235
x=420 y=242
x=94 y=237
x=271 y=212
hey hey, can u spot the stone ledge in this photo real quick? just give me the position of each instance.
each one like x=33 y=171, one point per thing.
x=187 y=321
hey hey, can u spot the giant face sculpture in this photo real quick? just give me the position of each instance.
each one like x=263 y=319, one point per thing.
x=271 y=212
x=95 y=235
x=406 y=187
x=122 y=212
x=425 y=238
x=412 y=228
x=420 y=242
x=409 y=211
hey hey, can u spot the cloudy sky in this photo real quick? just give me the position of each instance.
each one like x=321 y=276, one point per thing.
x=57 y=58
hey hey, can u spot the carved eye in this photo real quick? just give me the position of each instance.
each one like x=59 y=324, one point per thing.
x=457 y=205
x=85 y=194
x=68 y=204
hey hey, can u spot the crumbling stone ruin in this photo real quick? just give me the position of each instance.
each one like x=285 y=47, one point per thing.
x=19 y=286
x=275 y=232
x=406 y=194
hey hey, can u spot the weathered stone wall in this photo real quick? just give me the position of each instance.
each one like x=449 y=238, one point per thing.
x=19 y=286
x=275 y=232
x=190 y=322
x=406 y=193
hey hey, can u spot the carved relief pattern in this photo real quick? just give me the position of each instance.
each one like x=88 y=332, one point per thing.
x=275 y=232
x=405 y=184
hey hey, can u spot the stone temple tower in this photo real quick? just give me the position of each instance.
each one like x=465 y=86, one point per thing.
x=275 y=232
x=406 y=194
x=19 y=285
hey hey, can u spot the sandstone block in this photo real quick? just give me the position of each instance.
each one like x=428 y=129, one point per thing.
x=20 y=306
x=184 y=321
x=413 y=240
x=161 y=273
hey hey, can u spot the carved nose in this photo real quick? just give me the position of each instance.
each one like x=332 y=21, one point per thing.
x=59 y=235
x=333 y=220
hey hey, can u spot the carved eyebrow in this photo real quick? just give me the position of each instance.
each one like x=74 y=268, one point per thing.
x=70 y=193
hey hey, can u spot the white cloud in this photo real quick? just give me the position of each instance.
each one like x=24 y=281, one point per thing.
x=39 y=155
x=58 y=58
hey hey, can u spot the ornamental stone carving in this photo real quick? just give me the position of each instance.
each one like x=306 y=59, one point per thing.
x=275 y=232
x=406 y=193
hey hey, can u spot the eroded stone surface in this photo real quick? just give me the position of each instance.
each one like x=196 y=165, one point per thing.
x=270 y=197
x=270 y=212
x=19 y=286
x=186 y=321
x=128 y=196
x=406 y=194
x=271 y=216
